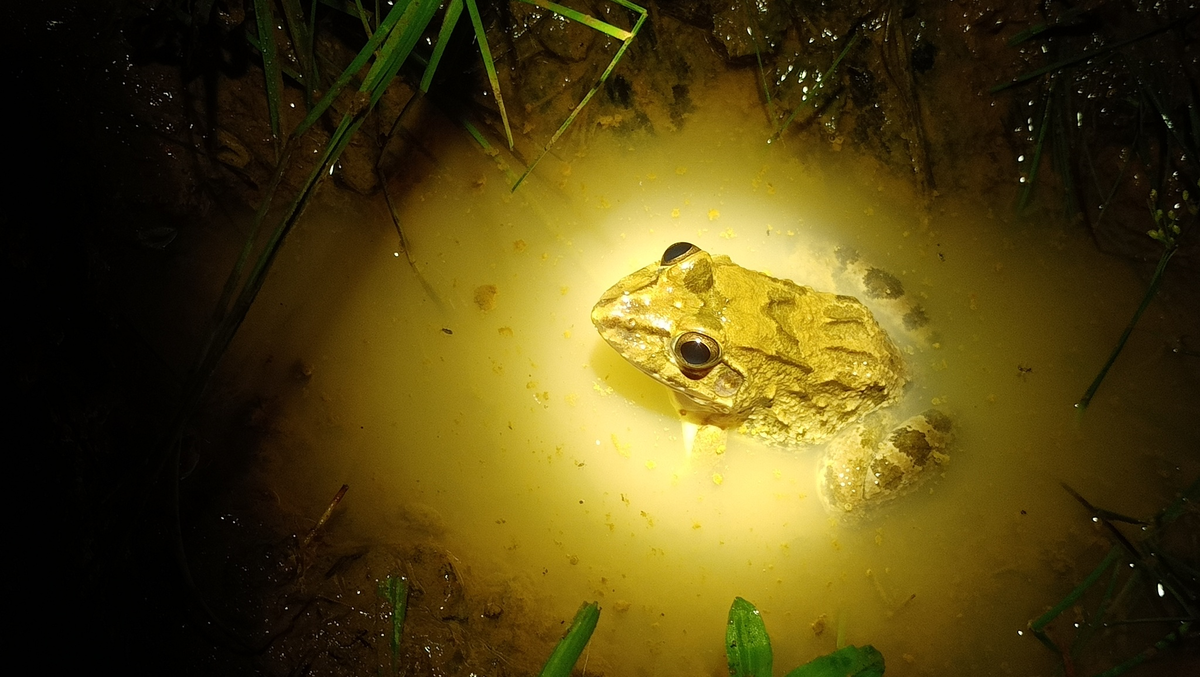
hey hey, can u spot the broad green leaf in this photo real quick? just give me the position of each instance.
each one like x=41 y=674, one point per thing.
x=848 y=661
x=747 y=646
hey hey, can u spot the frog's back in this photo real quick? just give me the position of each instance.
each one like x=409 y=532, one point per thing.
x=830 y=360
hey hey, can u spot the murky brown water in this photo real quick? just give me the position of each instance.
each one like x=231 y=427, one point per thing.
x=556 y=473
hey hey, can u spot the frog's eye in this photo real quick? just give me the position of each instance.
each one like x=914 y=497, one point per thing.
x=695 y=351
x=678 y=251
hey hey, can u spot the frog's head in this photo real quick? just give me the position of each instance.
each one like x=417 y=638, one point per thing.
x=668 y=321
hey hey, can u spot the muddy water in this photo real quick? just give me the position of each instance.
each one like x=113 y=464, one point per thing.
x=467 y=397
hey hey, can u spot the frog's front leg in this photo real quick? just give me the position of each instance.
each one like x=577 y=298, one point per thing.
x=700 y=438
x=703 y=440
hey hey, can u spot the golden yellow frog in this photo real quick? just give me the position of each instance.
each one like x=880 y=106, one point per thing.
x=773 y=359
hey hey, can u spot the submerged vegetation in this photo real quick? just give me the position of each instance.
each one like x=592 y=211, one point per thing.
x=748 y=650
x=1151 y=586
x=1119 y=86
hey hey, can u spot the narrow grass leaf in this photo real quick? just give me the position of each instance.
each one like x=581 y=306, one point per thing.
x=562 y=660
x=1067 y=18
x=265 y=18
x=848 y=661
x=577 y=16
x=360 y=60
x=1042 y=621
x=449 y=21
x=1084 y=56
x=395 y=590
x=301 y=44
x=488 y=149
x=398 y=46
x=813 y=96
x=1036 y=162
x=362 y=16
x=747 y=646
x=1151 y=290
x=284 y=69
x=489 y=65
x=599 y=83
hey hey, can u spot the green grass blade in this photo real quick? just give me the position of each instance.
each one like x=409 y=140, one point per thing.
x=562 y=660
x=486 y=53
x=1084 y=56
x=360 y=60
x=848 y=661
x=1067 y=18
x=599 y=83
x=762 y=77
x=285 y=69
x=1045 y=619
x=747 y=646
x=301 y=44
x=398 y=47
x=820 y=86
x=265 y=18
x=1036 y=162
x=362 y=16
x=449 y=20
x=488 y=149
x=395 y=590
x=591 y=22
x=1137 y=315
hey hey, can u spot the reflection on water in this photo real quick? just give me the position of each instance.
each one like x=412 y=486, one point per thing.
x=472 y=399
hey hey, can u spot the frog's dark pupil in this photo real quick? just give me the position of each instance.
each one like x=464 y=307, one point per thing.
x=676 y=251
x=694 y=352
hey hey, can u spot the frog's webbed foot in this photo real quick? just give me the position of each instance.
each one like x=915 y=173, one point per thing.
x=870 y=464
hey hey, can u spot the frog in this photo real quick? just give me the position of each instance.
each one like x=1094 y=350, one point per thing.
x=775 y=360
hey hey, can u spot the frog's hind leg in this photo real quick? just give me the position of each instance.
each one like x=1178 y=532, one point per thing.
x=871 y=464
x=885 y=291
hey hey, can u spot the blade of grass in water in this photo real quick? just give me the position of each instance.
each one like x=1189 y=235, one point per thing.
x=599 y=83
x=265 y=18
x=488 y=149
x=762 y=77
x=292 y=73
x=1150 y=292
x=362 y=16
x=401 y=31
x=562 y=660
x=1067 y=18
x=449 y=20
x=591 y=22
x=812 y=97
x=395 y=590
x=1036 y=162
x=1084 y=56
x=489 y=65
x=301 y=45
x=360 y=60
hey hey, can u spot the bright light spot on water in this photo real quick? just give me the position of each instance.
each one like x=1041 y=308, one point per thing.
x=437 y=432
